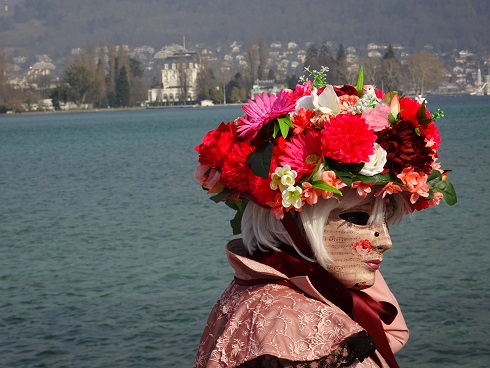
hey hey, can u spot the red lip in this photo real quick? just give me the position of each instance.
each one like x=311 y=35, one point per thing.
x=373 y=263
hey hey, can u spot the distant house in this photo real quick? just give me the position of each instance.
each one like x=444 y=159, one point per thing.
x=267 y=86
x=179 y=80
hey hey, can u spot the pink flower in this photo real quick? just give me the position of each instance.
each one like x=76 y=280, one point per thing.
x=276 y=206
x=415 y=182
x=348 y=139
x=309 y=194
x=302 y=90
x=209 y=178
x=302 y=152
x=347 y=101
x=263 y=110
x=390 y=188
x=329 y=178
x=377 y=117
x=436 y=198
x=363 y=189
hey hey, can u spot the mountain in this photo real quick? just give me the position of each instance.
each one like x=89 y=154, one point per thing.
x=56 y=26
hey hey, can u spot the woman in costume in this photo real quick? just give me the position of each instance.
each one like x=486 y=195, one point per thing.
x=316 y=175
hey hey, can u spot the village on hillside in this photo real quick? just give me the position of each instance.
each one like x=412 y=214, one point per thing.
x=206 y=75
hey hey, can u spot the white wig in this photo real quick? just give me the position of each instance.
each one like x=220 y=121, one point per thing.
x=264 y=232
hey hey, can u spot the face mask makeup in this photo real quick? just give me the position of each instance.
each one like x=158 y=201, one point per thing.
x=355 y=246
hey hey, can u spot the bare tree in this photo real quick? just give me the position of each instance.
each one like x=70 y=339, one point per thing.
x=4 y=76
x=252 y=62
x=184 y=78
x=372 y=71
x=426 y=71
x=263 y=59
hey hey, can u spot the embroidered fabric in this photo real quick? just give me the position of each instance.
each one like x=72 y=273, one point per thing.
x=268 y=321
x=354 y=347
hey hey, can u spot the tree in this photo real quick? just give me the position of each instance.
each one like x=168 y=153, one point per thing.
x=311 y=58
x=263 y=58
x=425 y=70
x=341 y=70
x=372 y=71
x=252 y=62
x=184 y=79
x=4 y=76
x=59 y=94
x=81 y=81
x=390 y=70
x=123 y=91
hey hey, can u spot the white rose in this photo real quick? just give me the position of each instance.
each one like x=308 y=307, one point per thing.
x=376 y=163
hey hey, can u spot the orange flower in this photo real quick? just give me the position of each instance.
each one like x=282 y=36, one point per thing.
x=362 y=188
x=309 y=194
x=276 y=207
x=390 y=188
x=415 y=182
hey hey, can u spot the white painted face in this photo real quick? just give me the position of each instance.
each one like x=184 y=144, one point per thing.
x=355 y=247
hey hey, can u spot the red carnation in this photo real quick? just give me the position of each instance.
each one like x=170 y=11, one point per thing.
x=432 y=134
x=302 y=120
x=409 y=109
x=348 y=139
x=216 y=144
x=235 y=172
x=260 y=187
x=405 y=148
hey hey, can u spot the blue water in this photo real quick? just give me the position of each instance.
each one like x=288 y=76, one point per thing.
x=112 y=256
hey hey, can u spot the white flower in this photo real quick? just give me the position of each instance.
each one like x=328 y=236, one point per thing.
x=283 y=178
x=376 y=163
x=325 y=103
x=291 y=196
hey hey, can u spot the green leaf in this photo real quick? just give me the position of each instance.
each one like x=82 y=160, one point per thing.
x=323 y=186
x=360 y=81
x=276 y=130
x=284 y=124
x=422 y=117
x=450 y=194
x=220 y=196
x=260 y=160
x=236 y=222
x=392 y=118
x=436 y=182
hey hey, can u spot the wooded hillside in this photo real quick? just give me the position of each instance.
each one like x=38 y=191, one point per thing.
x=55 y=26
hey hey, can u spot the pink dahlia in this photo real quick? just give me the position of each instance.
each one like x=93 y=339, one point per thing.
x=302 y=152
x=348 y=139
x=263 y=110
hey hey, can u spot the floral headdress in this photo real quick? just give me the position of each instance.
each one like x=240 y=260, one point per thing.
x=288 y=150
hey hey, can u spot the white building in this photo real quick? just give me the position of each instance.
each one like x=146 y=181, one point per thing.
x=179 y=80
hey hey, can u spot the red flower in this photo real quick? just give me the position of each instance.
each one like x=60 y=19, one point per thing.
x=405 y=148
x=409 y=109
x=346 y=90
x=216 y=144
x=302 y=120
x=432 y=134
x=302 y=152
x=260 y=187
x=348 y=139
x=235 y=172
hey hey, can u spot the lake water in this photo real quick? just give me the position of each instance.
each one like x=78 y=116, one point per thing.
x=112 y=256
